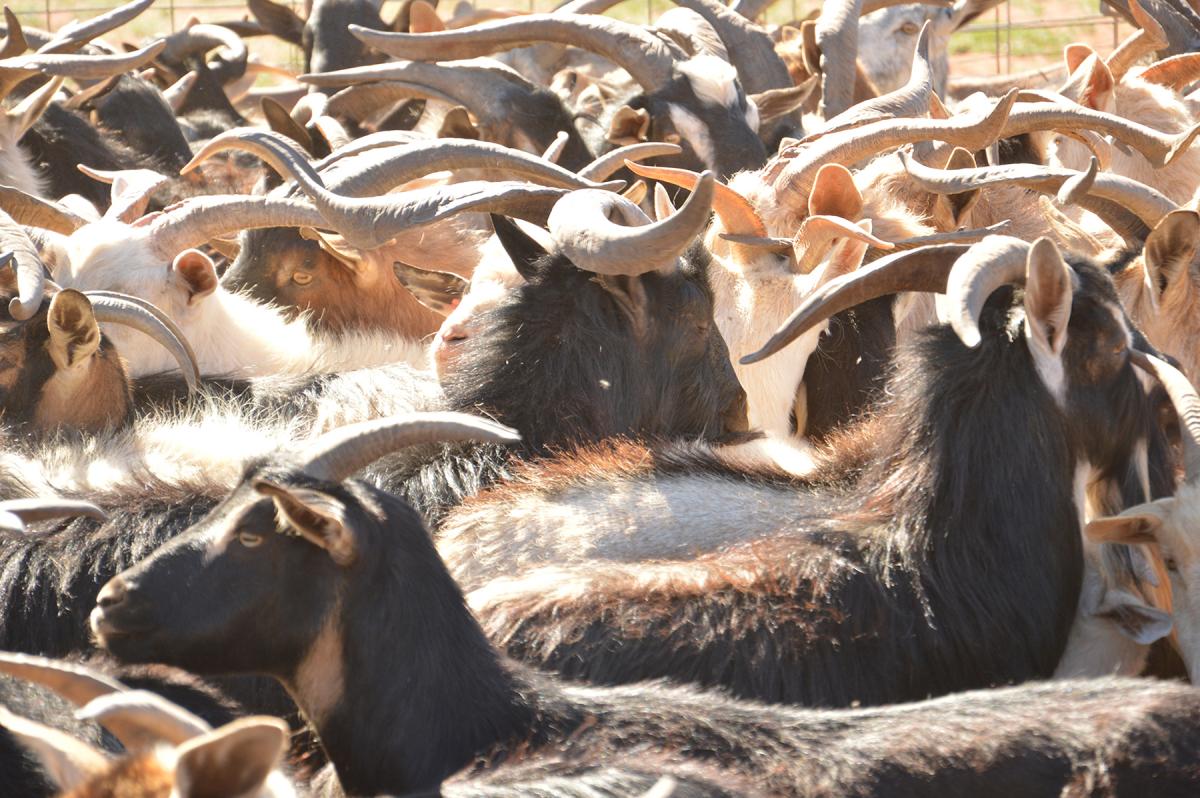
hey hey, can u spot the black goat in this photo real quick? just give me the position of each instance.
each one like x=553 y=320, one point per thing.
x=960 y=538
x=335 y=588
x=323 y=36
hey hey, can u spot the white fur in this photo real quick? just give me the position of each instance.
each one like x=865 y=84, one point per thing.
x=694 y=131
x=231 y=334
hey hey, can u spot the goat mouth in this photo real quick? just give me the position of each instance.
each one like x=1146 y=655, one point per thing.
x=107 y=628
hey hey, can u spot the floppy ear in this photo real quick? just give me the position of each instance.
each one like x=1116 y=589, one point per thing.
x=1048 y=292
x=279 y=20
x=774 y=103
x=315 y=516
x=236 y=759
x=1170 y=248
x=1134 y=528
x=1136 y=619
x=834 y=193
x=68 y=762
x=629 y=126
x=439 y=291
x=457 y=124
x=197 y=272
x=74 y=334
x=520 y=247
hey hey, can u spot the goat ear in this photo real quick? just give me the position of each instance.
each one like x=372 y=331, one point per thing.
x=629 y=126
x=317 y=517
x=279 y=20
x=774 y=103
x=1075 y=54
x=834 y=193
x=1170 y=248
x=336 y=247
x=68 y=762
x=74 y=334
x=955 y=207
x=423 y=18
x=457 y=124
x=1091 y=84
x=236 y=759
x=519 y=245
x=197 y=272
x=663 y=207
x=1140 y=527
x=1048 y=292
x=845 y=256
x=810 y=50
x=279 y=120
x=439 y=291
x=1137 y=620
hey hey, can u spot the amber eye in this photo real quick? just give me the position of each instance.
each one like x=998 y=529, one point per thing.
x=1119 y=348
x=1170 y=563
x=910 y=28
x=249 y=539
x=302 y=278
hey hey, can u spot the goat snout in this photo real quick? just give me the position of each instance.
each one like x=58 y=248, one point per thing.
x=112 y=593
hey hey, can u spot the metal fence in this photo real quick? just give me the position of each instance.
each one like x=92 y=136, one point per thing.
x=1019 y=34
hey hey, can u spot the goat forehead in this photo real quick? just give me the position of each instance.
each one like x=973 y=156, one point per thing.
x=693 y=129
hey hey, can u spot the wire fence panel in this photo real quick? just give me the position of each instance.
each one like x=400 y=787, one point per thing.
x=1018 y=35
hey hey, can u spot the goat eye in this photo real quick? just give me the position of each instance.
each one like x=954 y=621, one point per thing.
x=249 y=539
x=910 y=28
x=302 y=278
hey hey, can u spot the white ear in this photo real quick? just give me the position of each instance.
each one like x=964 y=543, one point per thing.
x=67 y=761
x=234 y=760
x=196 y=272
x=1140 y=622
x=1048 y=293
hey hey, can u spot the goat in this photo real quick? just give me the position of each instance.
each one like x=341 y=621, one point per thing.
x=925 y=484
x=322 y=35
x=366 y=589
x=168 y=751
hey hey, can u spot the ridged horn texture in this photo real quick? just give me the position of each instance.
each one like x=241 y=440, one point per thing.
x=1187 y=406
x=74 y=35
x=383 y=170
x=201 y=38
x=837 y=36
x=737 y=215
x=30 y=271
x=200 y=219
x=583 y=230
x=1157 y=147
x=910 y=100
x=1076 y=188
x=16 y=513
x=973 y=133
x=990 y=264
x=371 y=141
x=338 y=454
x=966 y=236
x=1175 y=72
x=611 y=162
x=1148 y=204
x=925 y=269
x=1151 y=38
x=649 y=60
x=141 y=719
x=132 y=312
x=368 y=223
x=81 y=67
x=750 y=48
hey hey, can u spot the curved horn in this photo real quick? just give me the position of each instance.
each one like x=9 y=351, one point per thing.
x=202 y=37
x=750 y=48
x=338 y=454
x=816 y=232
x=555 y=150
x=118 y=309
x=606 y=165
x=1143 y=201
x=1149 y=39
x=851 y=146
x=1187 y=407
x=1176 y=72
x=16 y=513
x=371 y=141
x=30 y=271
x=155 y=311
x=925 y=269
x=81 y=67
x=966 y=85
x=1160 y=149
x=385 y=170
x=1075 y=188
x=649 y=60
x=910 y=100
x=993 y=262
x=76 y=34
x=580 y=226
x=837 y=36
x=738 y=216
x=141 y=719
x=200 y=219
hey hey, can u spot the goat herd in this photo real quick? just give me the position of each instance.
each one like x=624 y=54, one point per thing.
x=527 y=404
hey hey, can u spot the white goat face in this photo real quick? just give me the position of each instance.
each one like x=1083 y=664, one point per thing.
x=887 y=39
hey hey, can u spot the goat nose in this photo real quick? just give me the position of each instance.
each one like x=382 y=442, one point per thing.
x=112 y=594
x=453 y=332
